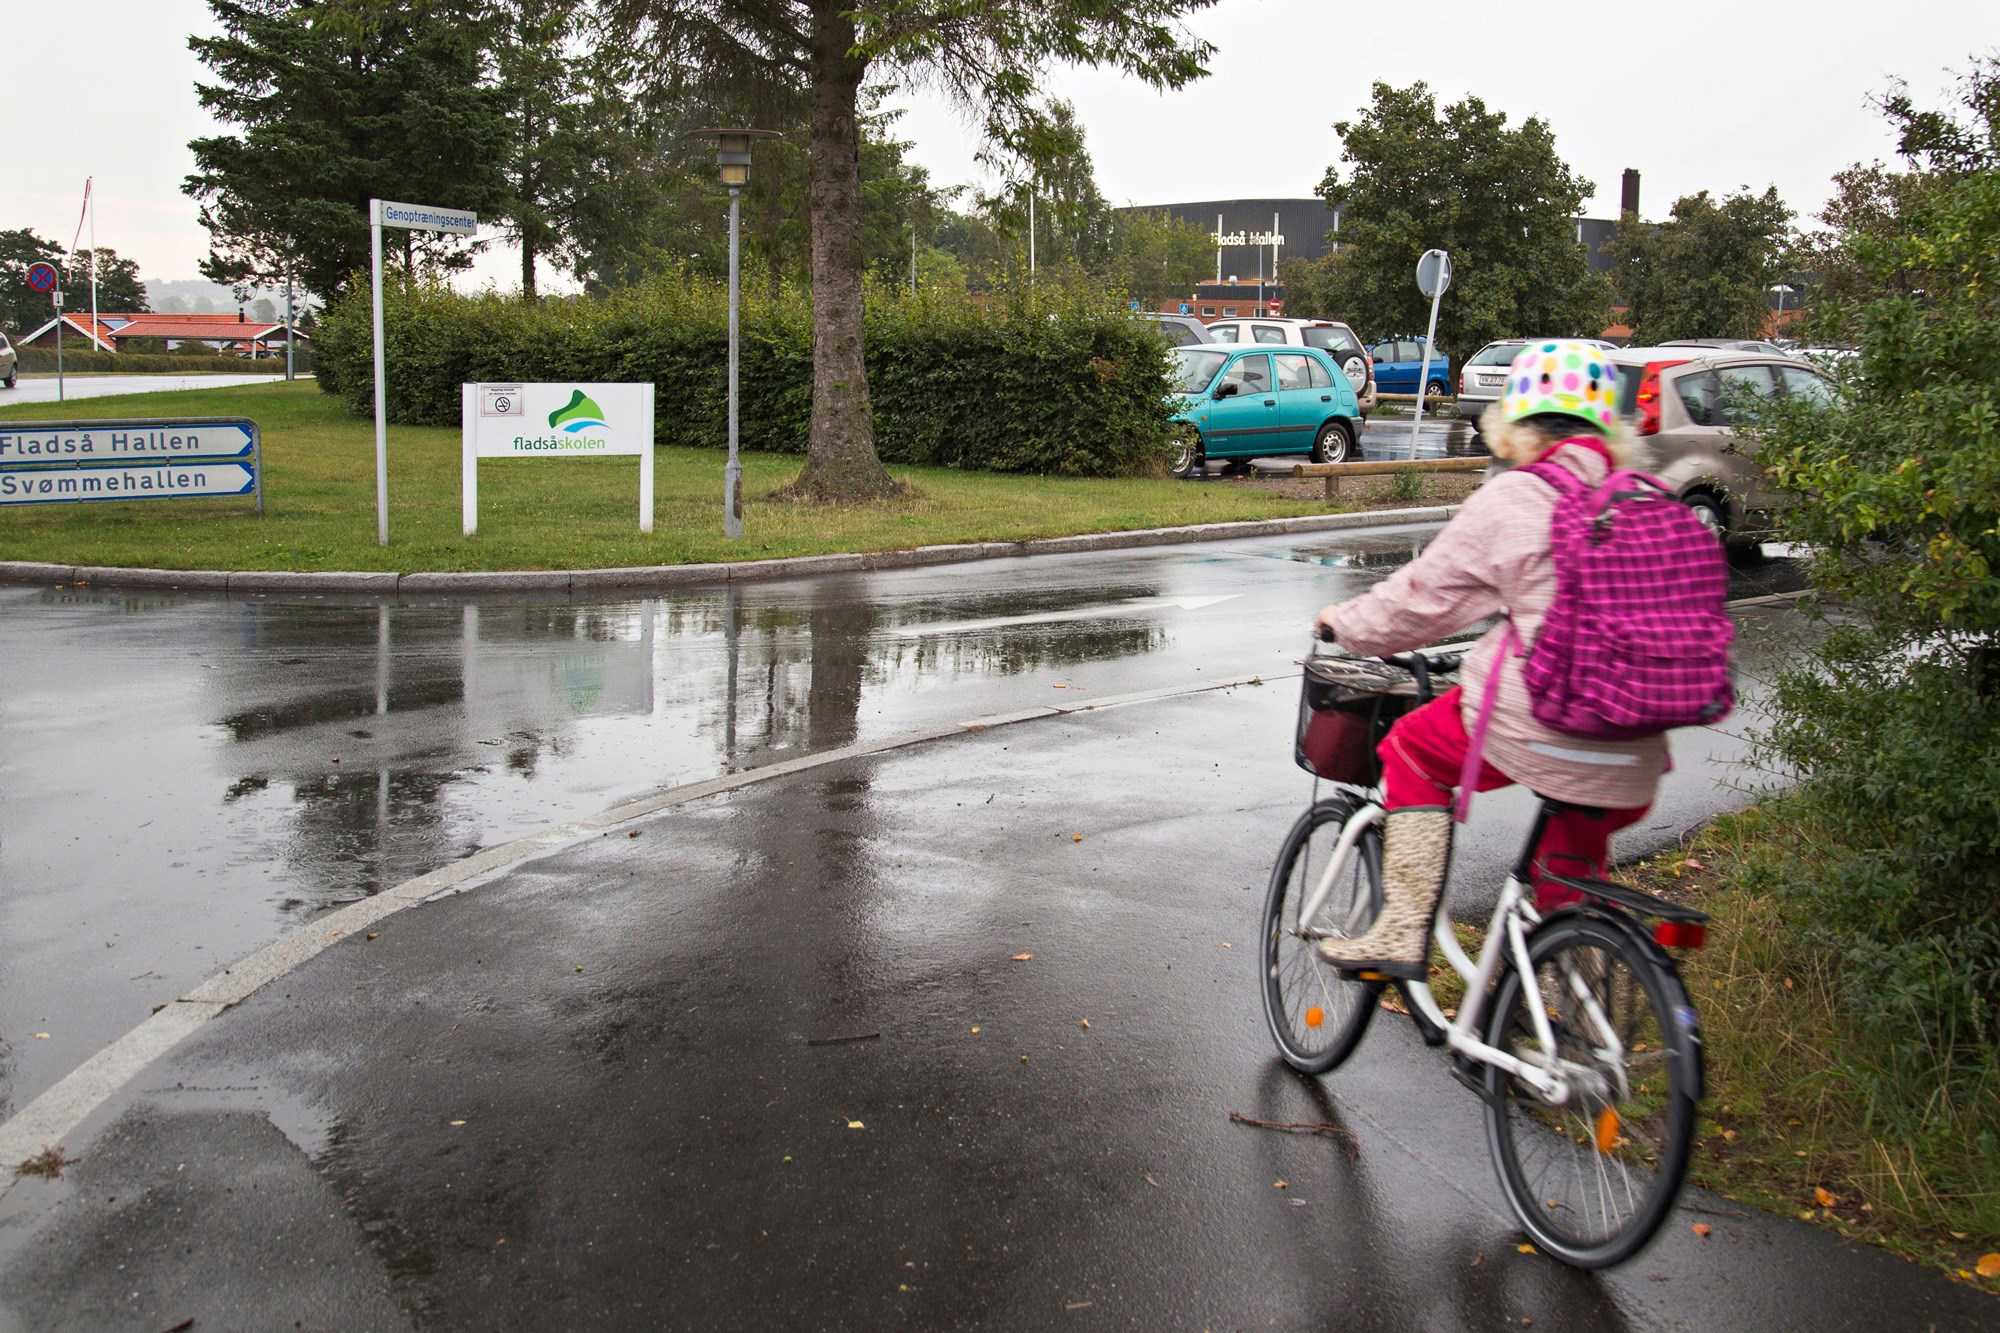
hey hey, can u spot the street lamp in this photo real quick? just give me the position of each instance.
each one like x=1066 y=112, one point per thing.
x=732 y=160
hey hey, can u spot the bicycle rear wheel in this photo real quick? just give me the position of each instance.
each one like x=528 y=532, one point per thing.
x=1316 y=1015
x=1593 y=1179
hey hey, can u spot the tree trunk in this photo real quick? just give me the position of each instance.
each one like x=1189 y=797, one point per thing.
x=841 y=463
x=527 y=268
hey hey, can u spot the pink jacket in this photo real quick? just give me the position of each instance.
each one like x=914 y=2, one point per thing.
x=1493 y=558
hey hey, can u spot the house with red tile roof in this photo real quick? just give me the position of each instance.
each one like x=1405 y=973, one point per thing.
x=223 y=332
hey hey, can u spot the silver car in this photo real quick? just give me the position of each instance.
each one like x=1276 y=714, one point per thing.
x=1685 y=404
x=1484 y=375
x=10 y=370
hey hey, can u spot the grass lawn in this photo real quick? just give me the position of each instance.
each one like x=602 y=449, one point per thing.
x=319 y=494
x=1790 y=1123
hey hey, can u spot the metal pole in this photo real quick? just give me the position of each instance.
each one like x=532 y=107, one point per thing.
x=1423 y=375
x=96 y=330
x=381 y=397
x=59 y=359
x=732 y=475
x=291 y=327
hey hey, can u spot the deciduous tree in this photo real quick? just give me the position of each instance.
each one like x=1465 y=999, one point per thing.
x=1498 y=197
x=22 y=309
x=987 y=55
x=1707 y=271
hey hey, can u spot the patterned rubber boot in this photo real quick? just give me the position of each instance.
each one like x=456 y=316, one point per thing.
x=1416 y=853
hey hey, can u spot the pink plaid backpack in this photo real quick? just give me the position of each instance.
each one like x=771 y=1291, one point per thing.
x=1636 y=641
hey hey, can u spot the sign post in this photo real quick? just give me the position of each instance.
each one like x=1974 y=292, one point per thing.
x=415 y=217
x=554 y=421
x=42 y=278
x=1433 y=278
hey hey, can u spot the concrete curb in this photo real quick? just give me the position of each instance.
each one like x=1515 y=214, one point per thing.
x=473 y=583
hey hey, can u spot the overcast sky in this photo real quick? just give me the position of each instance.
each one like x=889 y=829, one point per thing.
x=1708 y=97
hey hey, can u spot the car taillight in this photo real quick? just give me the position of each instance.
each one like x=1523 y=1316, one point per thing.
x=1649 y=396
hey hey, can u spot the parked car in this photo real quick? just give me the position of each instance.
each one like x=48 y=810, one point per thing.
x=1331 y=336
x=1178 y=330
x=1686 y=408
x=1730 y=345
x=1399 y=363
x=10 y=370
x=1254 y=400
x=1485 y=375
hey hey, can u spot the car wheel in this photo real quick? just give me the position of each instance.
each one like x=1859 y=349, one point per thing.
x=12 y=375
x=1356 y=369
x=1186 y=459
x=1433 y=395
x=1334 y=444
x=1747 y=555
x=1711 y=513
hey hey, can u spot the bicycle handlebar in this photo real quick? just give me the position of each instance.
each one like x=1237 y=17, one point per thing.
x=1440 y=663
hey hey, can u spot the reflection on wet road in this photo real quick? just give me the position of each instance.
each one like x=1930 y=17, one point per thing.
x=187 y=776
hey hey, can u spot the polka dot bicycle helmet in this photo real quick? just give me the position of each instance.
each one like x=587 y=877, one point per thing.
x=1562 y=377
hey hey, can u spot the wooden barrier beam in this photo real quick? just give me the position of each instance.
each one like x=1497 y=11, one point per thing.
x=1333 y=472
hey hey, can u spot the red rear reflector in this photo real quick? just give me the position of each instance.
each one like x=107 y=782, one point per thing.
x=1681 y=934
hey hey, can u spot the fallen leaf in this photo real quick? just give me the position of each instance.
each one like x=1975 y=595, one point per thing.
x=1524 y=1248
x=1078 y=1305
x=1479 y=1258
x=374 y=935
x=1076 y=837
x=1083 y=1023
x=579 y=967
x=457 y=1122
x=1281 y=1184
x=1154 y=1183
x=1729 y=1135
x=1988 y=1265
x=975 y=1029
x=1701 y=1229
x=41 y=1036
x=1959 y=1235
x=1823 y=1196
x=633 y=834
x=1798 y=1154
x=1808 y=1215
x=1227 y=945
x=1788 y=983
x=788 y=1157
x=1022 y=957
x=1693 y=864
x=856 y=1124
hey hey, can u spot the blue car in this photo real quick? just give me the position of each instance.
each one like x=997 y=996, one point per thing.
x=1400 y=362
x=1254 y=400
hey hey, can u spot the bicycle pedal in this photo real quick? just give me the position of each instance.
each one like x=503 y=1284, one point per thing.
x=1471 y=1075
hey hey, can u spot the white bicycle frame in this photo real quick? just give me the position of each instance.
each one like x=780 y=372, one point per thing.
x=1513 y=916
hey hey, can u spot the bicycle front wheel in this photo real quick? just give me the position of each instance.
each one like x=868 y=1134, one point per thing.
x=1591 y=1180
x=1317 y=1016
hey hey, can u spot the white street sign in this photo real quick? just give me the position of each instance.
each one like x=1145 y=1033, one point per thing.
x=157 y=481
x=423 y=217
x=120 y=441
x=559 y=420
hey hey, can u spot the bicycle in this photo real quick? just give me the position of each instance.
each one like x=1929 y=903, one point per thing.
x=1590 y=1078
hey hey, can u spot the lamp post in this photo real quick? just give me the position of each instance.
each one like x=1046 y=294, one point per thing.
x=732 y=160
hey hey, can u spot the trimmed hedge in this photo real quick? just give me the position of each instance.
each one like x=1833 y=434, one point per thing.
x=1051 y=381
x=140 y=363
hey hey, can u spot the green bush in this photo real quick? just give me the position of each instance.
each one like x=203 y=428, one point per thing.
x=1893 y=724
x=140 y=363
x=1055 y=380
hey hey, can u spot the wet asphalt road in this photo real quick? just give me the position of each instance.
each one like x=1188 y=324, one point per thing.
x=589 y=1095
x=188 y=776
x=623 y=1028
x=42 y=389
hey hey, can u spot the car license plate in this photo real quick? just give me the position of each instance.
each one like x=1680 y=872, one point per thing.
x=1489 y=381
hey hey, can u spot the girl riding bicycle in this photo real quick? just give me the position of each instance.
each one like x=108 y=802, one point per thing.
x=1494 y=558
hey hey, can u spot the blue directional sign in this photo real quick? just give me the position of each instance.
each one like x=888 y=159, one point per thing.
x=71 y=462
x=143 y=481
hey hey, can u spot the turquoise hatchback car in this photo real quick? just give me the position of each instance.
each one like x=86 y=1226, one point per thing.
x=1253 y=401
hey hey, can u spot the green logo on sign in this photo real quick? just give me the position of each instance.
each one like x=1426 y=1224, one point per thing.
x=579 y=414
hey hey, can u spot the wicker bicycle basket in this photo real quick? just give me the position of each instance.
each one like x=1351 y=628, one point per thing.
x=1346 y=705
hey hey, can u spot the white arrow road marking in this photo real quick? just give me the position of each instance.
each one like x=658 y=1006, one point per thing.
x=1105 y=612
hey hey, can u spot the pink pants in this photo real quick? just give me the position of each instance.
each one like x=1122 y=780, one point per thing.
x=1422 y=757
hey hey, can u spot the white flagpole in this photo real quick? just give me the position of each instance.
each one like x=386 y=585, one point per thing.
x=91 y=200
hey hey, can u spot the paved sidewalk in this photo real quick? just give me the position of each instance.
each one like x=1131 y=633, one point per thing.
x=772 y=1061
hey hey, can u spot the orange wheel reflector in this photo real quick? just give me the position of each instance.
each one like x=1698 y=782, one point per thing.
x=1315 y=1016
x=1607 y=1129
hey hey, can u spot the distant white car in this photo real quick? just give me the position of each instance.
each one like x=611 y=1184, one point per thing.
x=9 y=363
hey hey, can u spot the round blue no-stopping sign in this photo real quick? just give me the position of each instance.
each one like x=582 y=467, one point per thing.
x=42 y=277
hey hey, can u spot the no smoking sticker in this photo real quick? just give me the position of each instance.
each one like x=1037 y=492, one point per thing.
x=500 y=400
